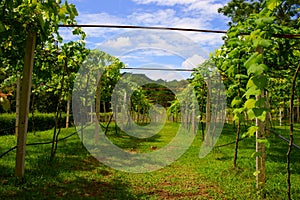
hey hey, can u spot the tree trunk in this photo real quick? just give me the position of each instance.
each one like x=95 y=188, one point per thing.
x=58 y=114
x=237 y=138
x=288 y=155
x=24 y=104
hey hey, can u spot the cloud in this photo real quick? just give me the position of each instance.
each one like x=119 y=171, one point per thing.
x=165 y=2
x=153 y=43
x=207 y=7
x=196 y=14
x=121 y=42
x=193 y=62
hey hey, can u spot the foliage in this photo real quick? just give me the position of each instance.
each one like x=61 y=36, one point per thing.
x=42 y=121
x=258 y=58
x=262 y=58
x=20 y=18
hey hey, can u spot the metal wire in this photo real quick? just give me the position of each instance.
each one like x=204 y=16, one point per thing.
x=290 y=36
x=157 y=69
x=141 y=27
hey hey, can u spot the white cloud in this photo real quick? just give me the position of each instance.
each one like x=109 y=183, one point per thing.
x=154 y=43
x=98 y=18
x=196 y=14
x=165 y=2
x=192 y=62
x=208 y=7
x=121 y=42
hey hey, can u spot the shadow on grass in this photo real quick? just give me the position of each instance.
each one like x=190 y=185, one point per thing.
x=79 y=188
x=277 y=154
x=73 y=174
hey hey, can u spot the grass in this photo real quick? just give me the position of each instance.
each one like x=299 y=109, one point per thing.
x=75 y=174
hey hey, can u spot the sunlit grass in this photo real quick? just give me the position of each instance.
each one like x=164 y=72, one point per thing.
x=75 y=174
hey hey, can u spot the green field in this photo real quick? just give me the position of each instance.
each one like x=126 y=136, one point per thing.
x=75 y=174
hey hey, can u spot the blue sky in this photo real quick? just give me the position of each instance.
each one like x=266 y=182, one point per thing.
x=199 y=14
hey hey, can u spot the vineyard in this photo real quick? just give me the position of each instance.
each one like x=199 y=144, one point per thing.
x=79 y=123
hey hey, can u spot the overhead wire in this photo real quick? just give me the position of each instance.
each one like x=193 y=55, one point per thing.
x=283 y=35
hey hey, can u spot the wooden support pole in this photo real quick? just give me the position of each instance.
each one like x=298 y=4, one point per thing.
x=17 y=104
x=261 y=150
x=68 y=110
x=24 y=104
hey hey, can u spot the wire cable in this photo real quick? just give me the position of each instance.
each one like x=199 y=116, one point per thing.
x=290 y=36
x=41 y=143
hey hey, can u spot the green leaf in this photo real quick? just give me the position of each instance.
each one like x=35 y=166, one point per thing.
x=260 y=113
x=260 y=81
x=254 y=60
x=235 y=102
x=256 y=69
x=256 y=172
x=250 y=103
x=251 y=60
x=256 y=154
x=250 y=114
x=264 y=141
x=252 y=91
x=2 y=27
x=272 y=4
x=238 y=110
x=250 y=83
x=265 y=43
x=261 y=102
x=241 y=76
x=236 y=118
x=251 y=130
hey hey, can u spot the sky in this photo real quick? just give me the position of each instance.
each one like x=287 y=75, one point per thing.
x=157 y=49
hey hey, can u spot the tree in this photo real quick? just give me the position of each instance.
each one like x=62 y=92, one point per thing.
x=23 y=25
x=264 y=57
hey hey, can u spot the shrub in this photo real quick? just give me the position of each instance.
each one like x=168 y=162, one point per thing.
x=42 y=122
x=7 y=124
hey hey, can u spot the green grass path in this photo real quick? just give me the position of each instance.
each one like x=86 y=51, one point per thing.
x=75 y=174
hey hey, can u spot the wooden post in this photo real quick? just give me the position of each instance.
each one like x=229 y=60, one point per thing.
x=97 y=110
x=208 y=110
x=280 y=116
x=260 y=147
x=261 y=150
x=68 y=111
x=298 y=111
x=193 y=119
x=24 y=104
x=17 y=104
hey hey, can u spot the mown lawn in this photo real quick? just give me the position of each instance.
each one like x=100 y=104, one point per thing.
x=75 y=174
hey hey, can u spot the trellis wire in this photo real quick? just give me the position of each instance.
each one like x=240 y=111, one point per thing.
x=290 y=36
x=41 y=143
